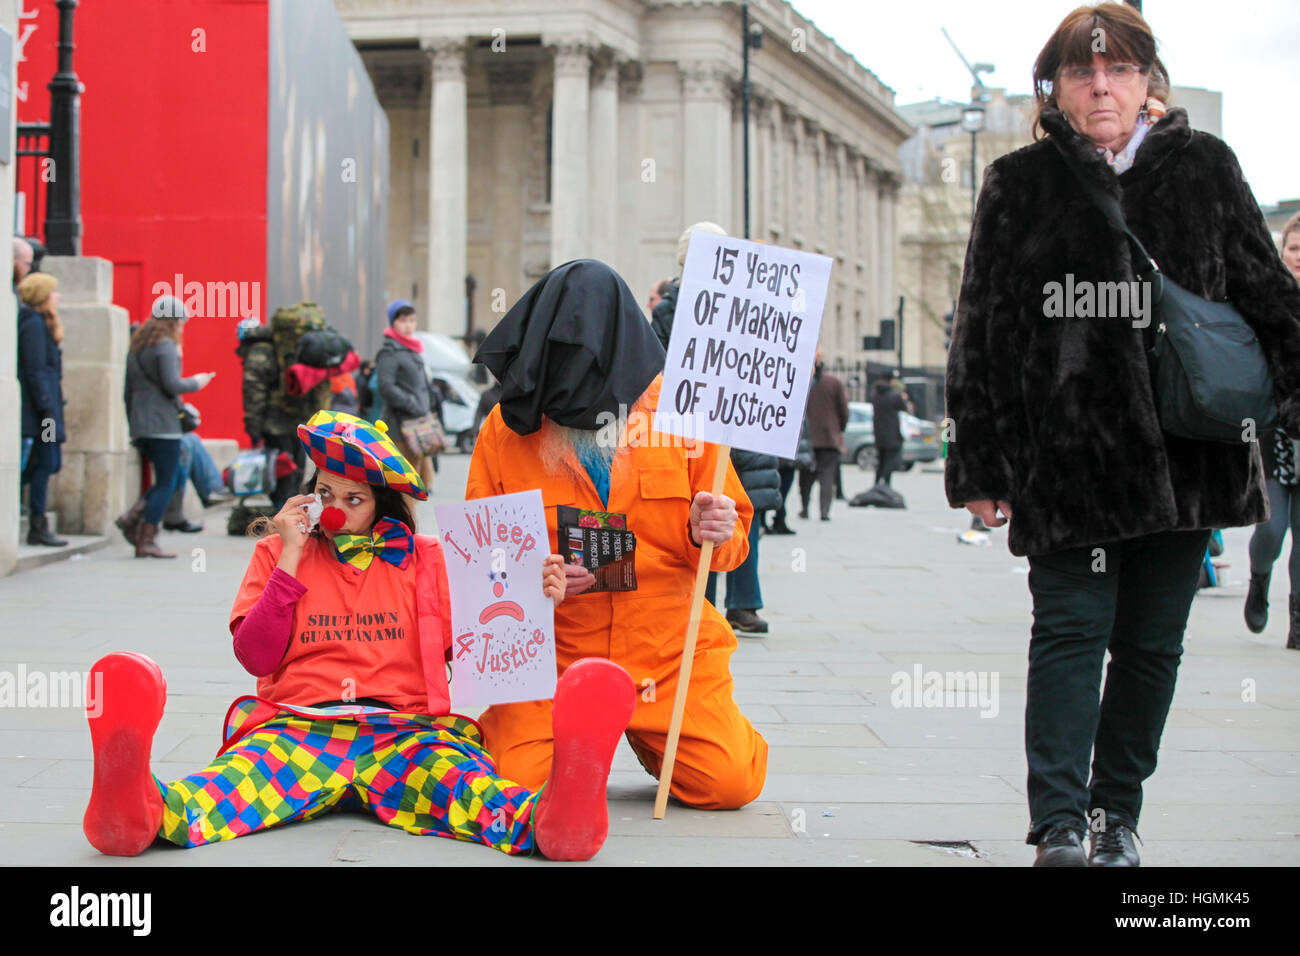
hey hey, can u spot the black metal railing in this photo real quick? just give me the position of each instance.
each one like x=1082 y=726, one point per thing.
x=924 y=385
x=31 y=177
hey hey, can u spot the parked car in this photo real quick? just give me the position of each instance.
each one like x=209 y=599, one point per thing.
x=920 y=438
x=448 y=366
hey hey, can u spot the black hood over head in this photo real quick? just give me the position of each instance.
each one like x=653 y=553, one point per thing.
x=575 y=345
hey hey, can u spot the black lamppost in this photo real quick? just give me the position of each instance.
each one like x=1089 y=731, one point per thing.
x=972 y=121
x=63 y=202
x=750 y=37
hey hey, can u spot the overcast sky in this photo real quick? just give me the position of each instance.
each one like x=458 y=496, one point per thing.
x=1249 y=50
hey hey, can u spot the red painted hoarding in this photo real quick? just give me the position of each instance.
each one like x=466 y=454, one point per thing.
x=173 y=162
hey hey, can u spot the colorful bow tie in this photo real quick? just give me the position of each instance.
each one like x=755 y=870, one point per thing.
x=390 y=539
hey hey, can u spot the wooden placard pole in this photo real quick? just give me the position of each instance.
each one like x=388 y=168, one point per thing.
x=688 y=649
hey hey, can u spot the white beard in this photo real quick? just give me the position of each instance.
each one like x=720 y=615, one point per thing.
x=559 y=441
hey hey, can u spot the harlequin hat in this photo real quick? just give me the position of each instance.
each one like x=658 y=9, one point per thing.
x=343 y=444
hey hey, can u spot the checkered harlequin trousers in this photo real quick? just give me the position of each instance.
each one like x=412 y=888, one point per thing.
x=426 y=775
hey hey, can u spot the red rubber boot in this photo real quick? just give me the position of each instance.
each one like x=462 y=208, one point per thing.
x=594 y=701
x=125 y=808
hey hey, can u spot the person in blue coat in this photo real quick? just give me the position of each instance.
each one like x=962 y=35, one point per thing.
x=40 y=381
x=758 y=473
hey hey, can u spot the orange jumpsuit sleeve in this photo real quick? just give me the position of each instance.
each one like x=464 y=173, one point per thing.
x=732 y=554
x=485 y=465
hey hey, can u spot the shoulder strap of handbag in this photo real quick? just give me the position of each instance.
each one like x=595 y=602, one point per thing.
x=1110 y=208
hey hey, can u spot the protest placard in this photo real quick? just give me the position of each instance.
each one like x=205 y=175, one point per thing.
x=503 y=626
x=744 y=336
x=739 y=365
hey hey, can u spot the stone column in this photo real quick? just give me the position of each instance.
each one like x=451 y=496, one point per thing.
x=443 y=306
x=867 y=254
x=570 y=185
x=706 y=112
x=92 y=487
x=603 y=140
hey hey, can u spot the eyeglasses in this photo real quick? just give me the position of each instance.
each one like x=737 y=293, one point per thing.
x=1121 y=74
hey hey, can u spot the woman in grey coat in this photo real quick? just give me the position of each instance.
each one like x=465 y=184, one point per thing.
x=404 y=384
x=153 y=398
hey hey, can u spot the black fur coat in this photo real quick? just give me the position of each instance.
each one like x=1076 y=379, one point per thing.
x=1056 y=415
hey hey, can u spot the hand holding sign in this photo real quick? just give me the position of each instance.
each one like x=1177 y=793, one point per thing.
x=713 y=518
x=553 y=578
x=503 y=623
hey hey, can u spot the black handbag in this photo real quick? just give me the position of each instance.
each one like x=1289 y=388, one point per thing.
x=189 y=416
x=1209 y=373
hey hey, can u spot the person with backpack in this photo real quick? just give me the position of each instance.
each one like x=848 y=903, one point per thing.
x=271 y=411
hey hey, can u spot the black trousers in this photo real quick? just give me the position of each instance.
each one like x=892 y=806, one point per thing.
x=827 y=459
x=888 y=461
x=1131 y=598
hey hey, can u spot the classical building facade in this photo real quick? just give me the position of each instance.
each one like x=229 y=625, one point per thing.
x=526 y=133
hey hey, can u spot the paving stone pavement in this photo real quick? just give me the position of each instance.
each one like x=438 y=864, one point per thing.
x=852 y=779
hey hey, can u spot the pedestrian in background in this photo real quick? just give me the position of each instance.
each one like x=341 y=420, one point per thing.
x=758 y=476
x=344 y=395
x=1057 y=419
x=153 y=398
x=40 y=380
x=828 y=414
x=1281 y=462
x=661 y=319
x=23 y=259
x=404 y=383
x=888 y=403
x=661 y=289
x=366 y=395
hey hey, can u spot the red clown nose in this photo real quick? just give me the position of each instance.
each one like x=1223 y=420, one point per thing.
x=332 y=519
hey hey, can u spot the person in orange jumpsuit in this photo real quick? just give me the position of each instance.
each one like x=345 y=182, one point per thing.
x=579 y=368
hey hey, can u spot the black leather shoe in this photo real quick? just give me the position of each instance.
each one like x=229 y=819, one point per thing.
x=1061 y=846
x=746 y=620
x=187 y=526
x=1114 y=846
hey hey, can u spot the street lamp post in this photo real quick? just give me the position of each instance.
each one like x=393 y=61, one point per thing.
x=750 y=37
x=63 y=204
x=972 y=121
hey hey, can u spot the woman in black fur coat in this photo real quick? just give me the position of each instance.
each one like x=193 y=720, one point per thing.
x=1054 y=419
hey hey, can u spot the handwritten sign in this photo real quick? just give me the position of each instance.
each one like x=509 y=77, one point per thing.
x=503 y=626
x=744 y=337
